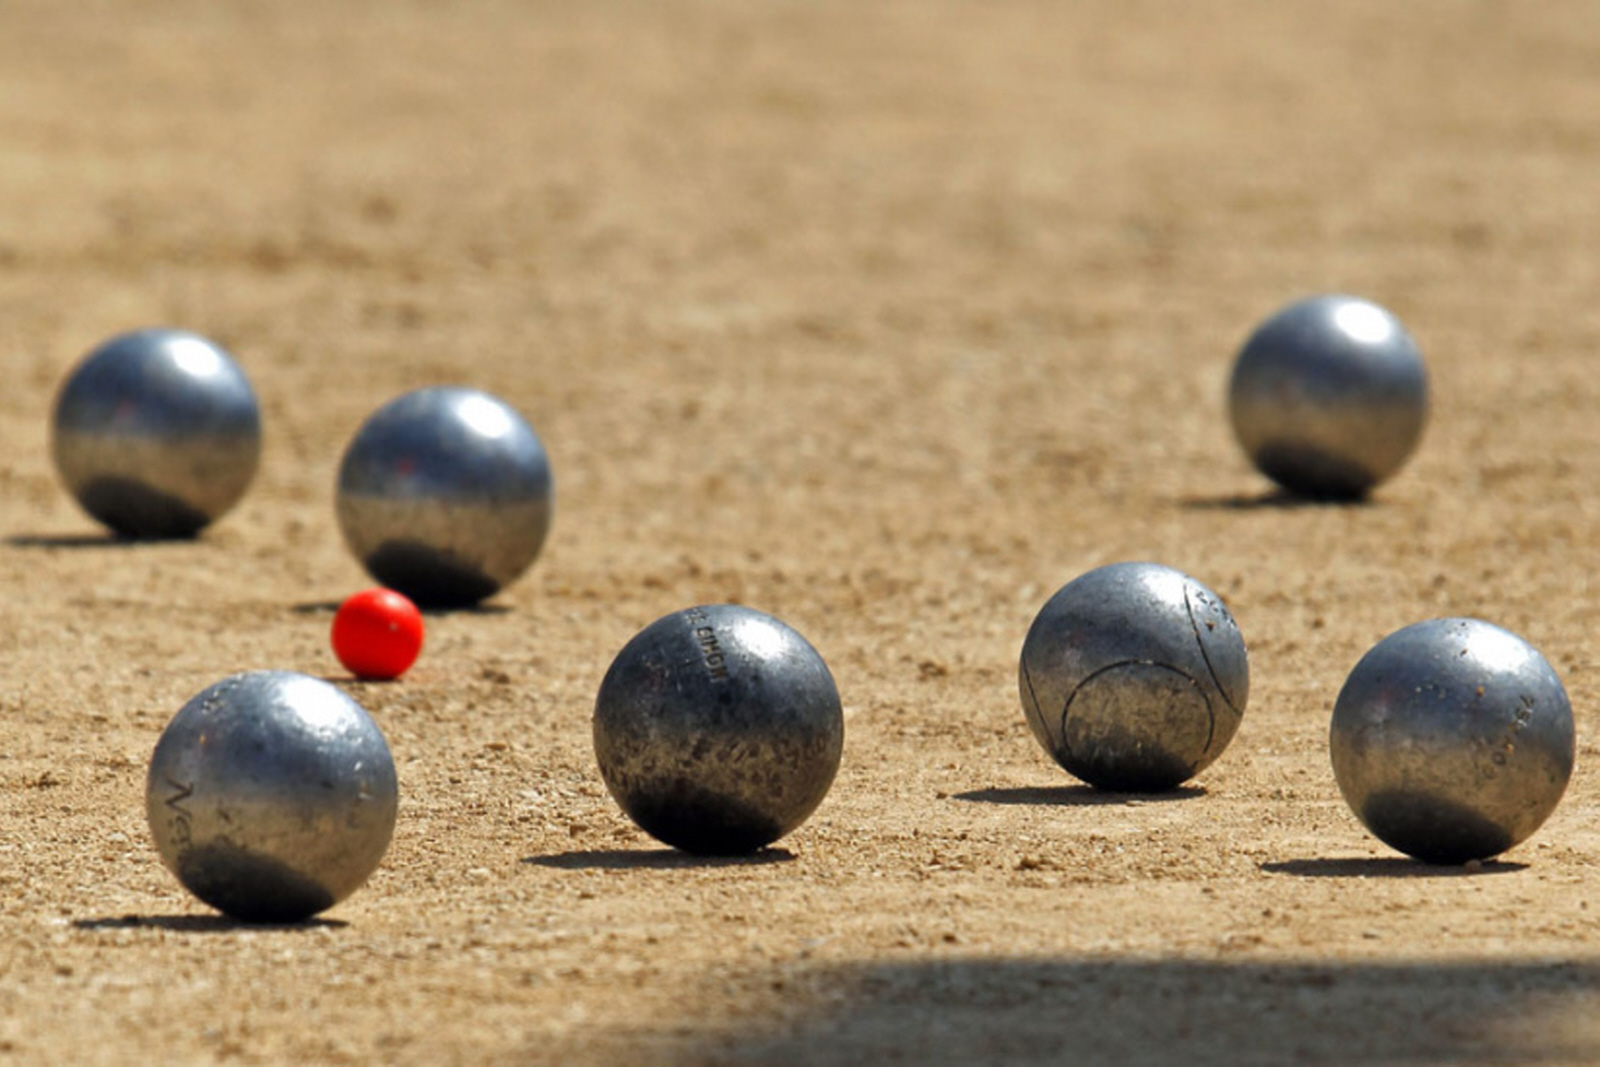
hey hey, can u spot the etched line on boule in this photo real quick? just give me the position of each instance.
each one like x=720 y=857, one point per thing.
x=1194 y=624
x=1066 y=711
x=1027 y=679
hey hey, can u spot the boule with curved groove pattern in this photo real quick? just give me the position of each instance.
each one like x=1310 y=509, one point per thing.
x=1134 y=677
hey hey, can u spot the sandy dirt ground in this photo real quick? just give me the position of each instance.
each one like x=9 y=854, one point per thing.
x=885 y=318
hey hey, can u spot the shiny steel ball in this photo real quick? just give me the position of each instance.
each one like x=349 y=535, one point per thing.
x=1329 y=397
x=718 y=729
x=157 y=433
x=445 y=495
x=1452 y=740
x=272 y=796
x=1134 y=677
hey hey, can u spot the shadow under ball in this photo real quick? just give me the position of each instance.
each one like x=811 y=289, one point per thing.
x=156 y=433
x=1329 y=397
x=1452 y=740
x=445 y=495
x=272 y=796
x=1134 y=677
x=718 y=729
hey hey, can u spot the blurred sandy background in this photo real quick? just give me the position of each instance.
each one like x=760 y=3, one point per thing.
x=886 y=318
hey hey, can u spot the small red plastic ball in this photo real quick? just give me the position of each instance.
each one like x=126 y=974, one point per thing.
x=377 y=634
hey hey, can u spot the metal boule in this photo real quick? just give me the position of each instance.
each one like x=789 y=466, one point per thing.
x=272 y=796
x=1452 y=740
x=1134 y=677
x=156 y=433
x=1329 y=397
x=445 y=495
x=718 y=729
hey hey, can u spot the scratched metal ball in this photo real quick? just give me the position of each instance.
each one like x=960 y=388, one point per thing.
x=271 y=795
x=1134 y=677
x=1329 y=397
x=445 y=495
x=1452 y=740
x=157 y=433
x=718 y=729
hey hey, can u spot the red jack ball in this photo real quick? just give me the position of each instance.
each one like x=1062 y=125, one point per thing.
x=377 y=634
